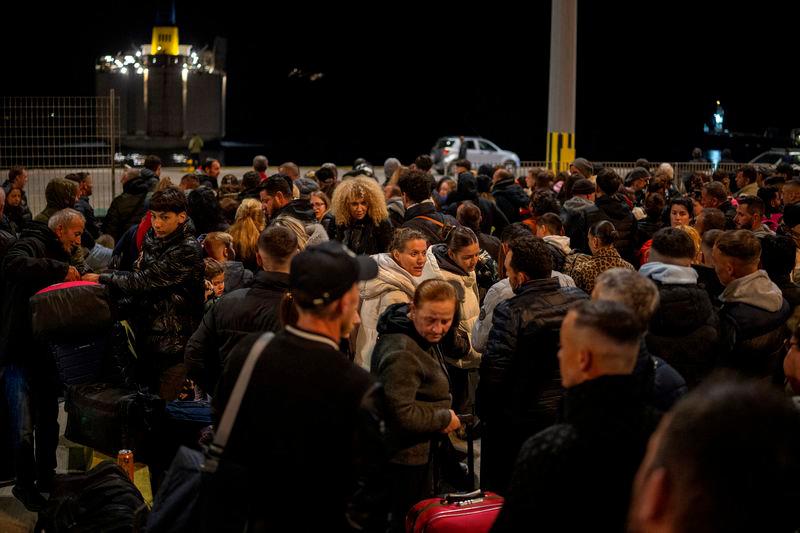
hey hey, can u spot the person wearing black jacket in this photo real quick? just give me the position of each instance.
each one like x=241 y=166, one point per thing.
x=362 y=220
x=580 y=213
x=82 y=205
x=519 y=387
x=421 y=213
x=40 y=257
x=577 y=475
x=408 y=359
x=242 y=311
x=616 y=209
x=493 y=221
x=510 y=197
x=715 y=195
x=17 y=179
x=164 y=294
x=127 y=209
x=302 y=388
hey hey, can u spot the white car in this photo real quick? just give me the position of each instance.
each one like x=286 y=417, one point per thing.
x=480 y=151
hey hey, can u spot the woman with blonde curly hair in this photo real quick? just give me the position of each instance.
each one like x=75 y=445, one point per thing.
x=362 y=220
x=245 y=232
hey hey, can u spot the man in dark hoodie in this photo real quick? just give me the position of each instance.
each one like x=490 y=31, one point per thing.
x=17 y=179
x=297 y=214
x=151 y=171
x=82 y=206
x=242 y=311
x=127 y=209
x=39 y=258
x=754 y=313
x=60 y=193
x=421 y=213
x=165 y=292
x=579 y=213
x=493 y=220
x=683 y=329
x=617 y=210
x=510 y=197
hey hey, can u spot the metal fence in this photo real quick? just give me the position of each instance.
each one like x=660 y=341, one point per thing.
x=55 y=136
x=623 y=167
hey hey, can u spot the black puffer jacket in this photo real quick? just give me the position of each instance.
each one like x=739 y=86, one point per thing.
x=7 y=238
x=127 y=209
x=510 y=198
x=255 y=309
x=32 y=263
x=618 y=212
x=165 y=293
x=591 y=456
x=520 y=380
x=417 y=386
x=364 y=237
x=683 y=331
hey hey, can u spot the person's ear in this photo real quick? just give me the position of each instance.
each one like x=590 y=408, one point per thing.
x=182 y=217
x=259 y=260
x=585 y=360
x=653 y=497
x=395 y=255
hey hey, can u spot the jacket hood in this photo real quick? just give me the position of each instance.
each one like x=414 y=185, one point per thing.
x=299 y=209
x=40 y=232
x=61 y=193
x=391 y=277
x=559 y=241
x=136 y=185
x=511 y=190
x=669 y=274
x=438 y=252
x=395 y=320
x=467 y=185
x=578 y=203
x=755 y=289
x=614 y=206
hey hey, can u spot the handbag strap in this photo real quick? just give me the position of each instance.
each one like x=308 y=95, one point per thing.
x=239 y=389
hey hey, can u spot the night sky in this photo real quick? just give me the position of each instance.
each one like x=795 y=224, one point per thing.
x=648 y=73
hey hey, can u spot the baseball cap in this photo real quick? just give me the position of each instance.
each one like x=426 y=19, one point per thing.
x=323 y=273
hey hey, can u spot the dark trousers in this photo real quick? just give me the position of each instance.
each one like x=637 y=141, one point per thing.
x=32 y=399
x=408 y=485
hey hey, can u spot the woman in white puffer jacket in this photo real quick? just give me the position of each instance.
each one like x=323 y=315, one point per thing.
x=399 y=273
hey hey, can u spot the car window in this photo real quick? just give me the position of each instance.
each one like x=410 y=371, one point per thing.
x=470 y=145
x=445 y=143
x=487 y=146
x=770 y=158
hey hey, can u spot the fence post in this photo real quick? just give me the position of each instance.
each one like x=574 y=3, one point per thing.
x=111 y=135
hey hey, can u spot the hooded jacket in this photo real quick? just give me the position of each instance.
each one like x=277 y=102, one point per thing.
x=467 y=191
x=578 y=215
x=510 y=198
x=440 y=266
x=684 y=328
x=617 y=211
x=37 y=259
x=127 y=209
x=166 y=293
x=558 y=246
x=753 y=325
x=392 y=285
x=416 y=384
x=236 y=276
x=298 y=216
x=417 y=218
x=60 y=193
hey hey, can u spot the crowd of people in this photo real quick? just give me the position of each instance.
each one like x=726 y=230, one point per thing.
x=625 y=347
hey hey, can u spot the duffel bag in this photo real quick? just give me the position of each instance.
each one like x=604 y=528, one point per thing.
x=70 y=310
x=109 y=419
x=103 y=499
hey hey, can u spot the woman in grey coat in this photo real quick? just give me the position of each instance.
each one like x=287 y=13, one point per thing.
x=408 y=360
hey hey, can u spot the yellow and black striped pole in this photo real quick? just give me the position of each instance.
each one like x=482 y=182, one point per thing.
x=560 y=150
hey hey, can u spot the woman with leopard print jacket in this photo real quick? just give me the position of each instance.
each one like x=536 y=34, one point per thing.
x=602 y=236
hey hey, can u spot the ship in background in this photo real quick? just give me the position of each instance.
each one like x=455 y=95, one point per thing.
x=168 y=91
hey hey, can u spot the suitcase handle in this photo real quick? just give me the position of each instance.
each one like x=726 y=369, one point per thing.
x=464 y=497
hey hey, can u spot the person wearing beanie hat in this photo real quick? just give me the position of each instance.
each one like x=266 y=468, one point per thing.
x=581 y=166
x=579 y=213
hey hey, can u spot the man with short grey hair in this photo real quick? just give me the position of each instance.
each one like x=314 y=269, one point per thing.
x=40 y=257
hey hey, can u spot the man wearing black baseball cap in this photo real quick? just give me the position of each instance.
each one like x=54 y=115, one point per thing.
x=311 y=421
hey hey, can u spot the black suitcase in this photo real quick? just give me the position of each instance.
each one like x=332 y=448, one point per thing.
x=109 y=419
x=103 y=499
x=80 y=362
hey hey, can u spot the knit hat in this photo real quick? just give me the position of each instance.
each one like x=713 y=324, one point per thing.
x=638 y=173
x=584 y=166
x=583 y=186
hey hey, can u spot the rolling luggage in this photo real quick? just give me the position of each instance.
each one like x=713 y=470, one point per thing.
x=109 y=419
x=467 y=512
x=80 y=362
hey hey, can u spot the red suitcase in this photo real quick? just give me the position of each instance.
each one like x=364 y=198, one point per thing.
x=464 y=512
x=472 y=512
